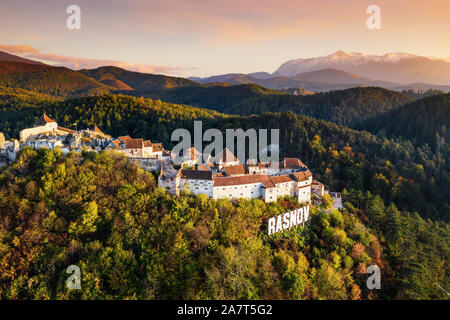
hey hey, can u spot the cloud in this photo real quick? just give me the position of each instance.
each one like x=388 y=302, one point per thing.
x=241 y=21
x=76 y=63
x=18 y=49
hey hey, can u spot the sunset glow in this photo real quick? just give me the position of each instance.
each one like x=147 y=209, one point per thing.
x=205 y=37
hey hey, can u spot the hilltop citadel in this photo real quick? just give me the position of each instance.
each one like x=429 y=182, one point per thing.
x=221 y=176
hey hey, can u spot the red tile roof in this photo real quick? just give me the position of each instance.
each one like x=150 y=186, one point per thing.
x=67 y=130
x=292 y=163
x=302 y=175
x=134 y=143
x=203 y=167
x=281 y=179
x=234 y=170
x=157 y=147
x=247 y=179
x=43 y=120
x=123 y=138
x=219 y=174
x=147 y=144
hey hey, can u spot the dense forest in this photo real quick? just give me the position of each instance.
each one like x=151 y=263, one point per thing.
x=216 y=96
x=425 y=121
x=413 y=177
x=57 y=81
x=136 y=80
x=133 y=241
x=344 y=107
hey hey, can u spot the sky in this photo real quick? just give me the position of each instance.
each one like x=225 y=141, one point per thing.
x=207 y=37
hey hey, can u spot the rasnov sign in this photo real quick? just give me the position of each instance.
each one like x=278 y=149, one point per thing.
x=287 y=220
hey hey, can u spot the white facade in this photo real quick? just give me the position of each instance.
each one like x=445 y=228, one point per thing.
x=44 y=143
x=197 y=186
x=49 y=127
x=248 y=191
x=304 y=194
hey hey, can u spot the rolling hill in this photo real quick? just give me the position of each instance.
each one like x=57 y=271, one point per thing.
x=130 y=80
x=4 y=56
x=423 y=121
x=57 y=81
x=216 y=96
x=344 y=107
x=17 y=72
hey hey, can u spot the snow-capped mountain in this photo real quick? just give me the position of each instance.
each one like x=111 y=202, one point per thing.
x=395 y=67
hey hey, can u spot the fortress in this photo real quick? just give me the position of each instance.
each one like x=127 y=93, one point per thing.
x=221 y=176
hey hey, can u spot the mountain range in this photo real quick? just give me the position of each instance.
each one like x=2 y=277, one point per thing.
x=342 y=70
x=17 y=72
x=395 y=67
x=317 y=81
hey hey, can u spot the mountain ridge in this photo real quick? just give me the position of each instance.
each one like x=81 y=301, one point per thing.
x=396 y=67
x=5 y=56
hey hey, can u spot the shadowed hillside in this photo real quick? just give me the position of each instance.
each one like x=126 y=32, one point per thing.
x=422 y=121
x=136 y=80
x=58 y=81
x=344 y=107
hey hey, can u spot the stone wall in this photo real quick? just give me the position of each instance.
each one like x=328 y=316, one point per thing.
x=26 y=133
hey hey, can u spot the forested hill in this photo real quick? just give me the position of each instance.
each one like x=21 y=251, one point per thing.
x=414 y=178
x=115 y=114
x=134 y=241
x=144 y=82
x=425 y=121
x=57 y=81
x=344 y=107
x=217 y=96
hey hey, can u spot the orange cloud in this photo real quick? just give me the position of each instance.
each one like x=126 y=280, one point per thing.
x=243 y=21
x=84 y=63
x=18 y=49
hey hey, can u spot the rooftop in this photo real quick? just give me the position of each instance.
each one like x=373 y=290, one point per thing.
x=281 y=179
x=134 y=143
x=302 y=175
x=43 y=120
x=196 y=174
x=234 y=170
x=247 y=179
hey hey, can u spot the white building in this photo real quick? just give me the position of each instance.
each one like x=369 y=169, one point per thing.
x=317 y=188
x=304 y=181
x=248 y=186
x=44 y=142
x=43 y=125
x=169 y=179
x=197 y=182
x=288 y=165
